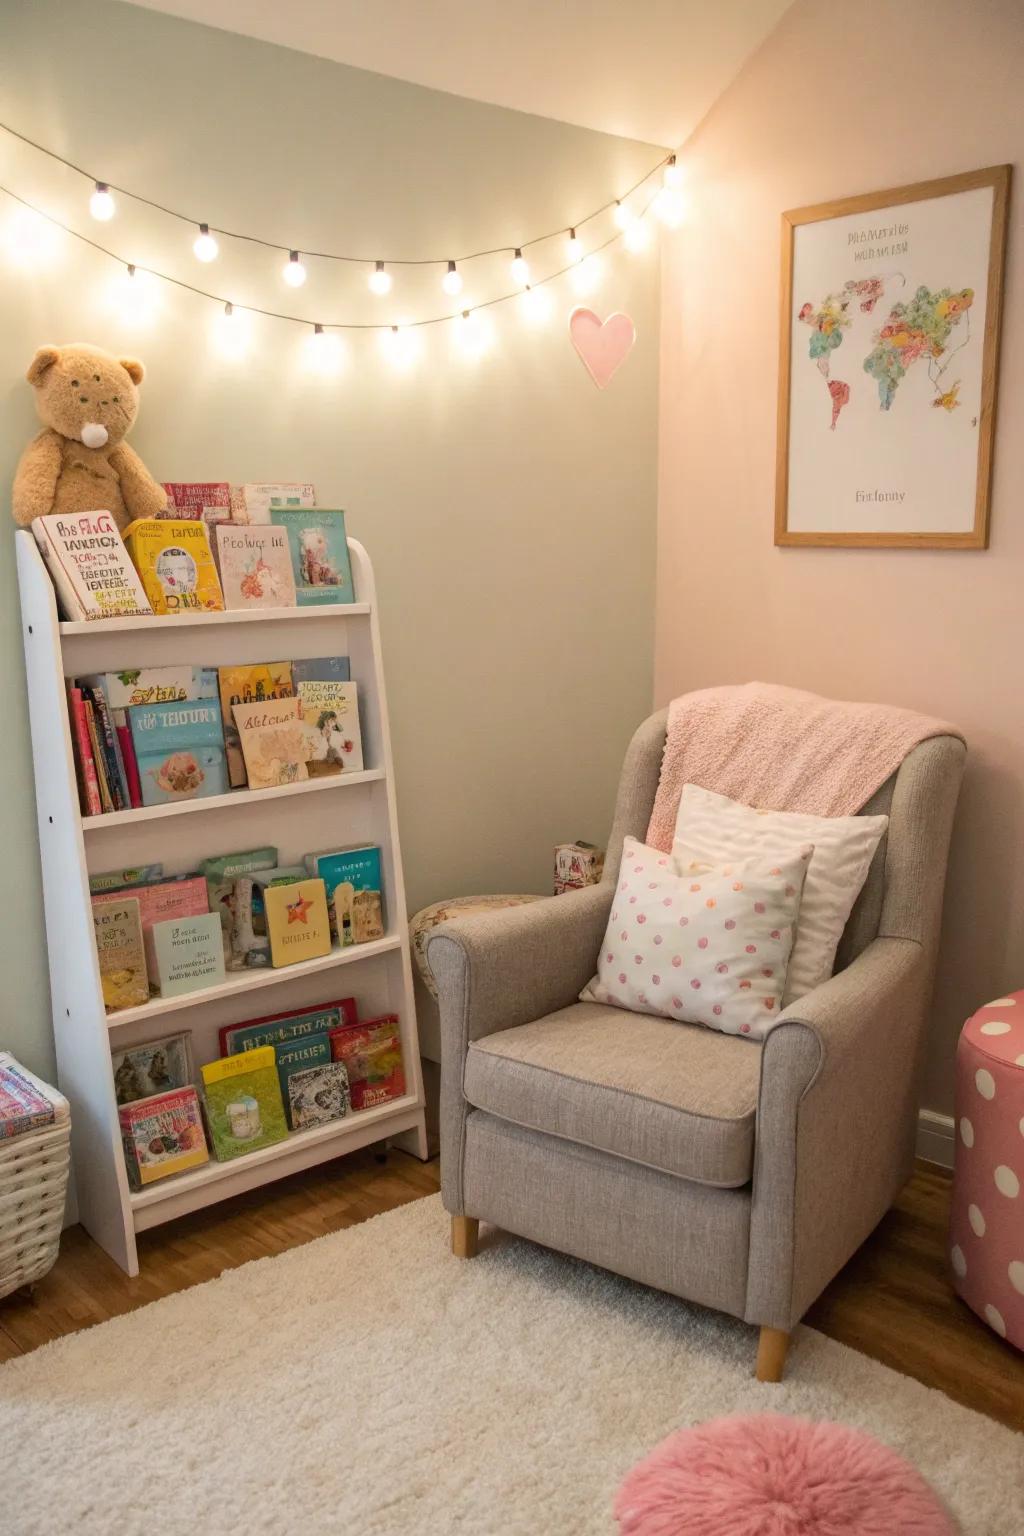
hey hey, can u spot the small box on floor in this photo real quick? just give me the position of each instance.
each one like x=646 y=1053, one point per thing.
x=576 y=865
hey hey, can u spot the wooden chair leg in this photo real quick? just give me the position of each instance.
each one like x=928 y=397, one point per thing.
x=465 y=1232
x=771 y=1354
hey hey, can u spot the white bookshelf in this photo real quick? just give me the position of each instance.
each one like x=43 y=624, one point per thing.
x=349 y=808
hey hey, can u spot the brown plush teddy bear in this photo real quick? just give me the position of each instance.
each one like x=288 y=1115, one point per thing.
x=87 y=400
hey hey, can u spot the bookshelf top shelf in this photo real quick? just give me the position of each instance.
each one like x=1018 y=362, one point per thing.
x=194 y=620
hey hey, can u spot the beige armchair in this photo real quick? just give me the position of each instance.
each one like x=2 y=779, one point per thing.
x=736 y=1174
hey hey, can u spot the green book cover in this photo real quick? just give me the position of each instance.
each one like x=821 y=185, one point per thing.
x=319 y=551
x=189 y=953
x=298 y=1056
x=244 y=1111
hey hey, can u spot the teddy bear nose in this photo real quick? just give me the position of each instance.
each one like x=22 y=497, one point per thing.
x=94 y=434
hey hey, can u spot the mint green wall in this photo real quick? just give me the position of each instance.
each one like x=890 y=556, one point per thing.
x=509 y=507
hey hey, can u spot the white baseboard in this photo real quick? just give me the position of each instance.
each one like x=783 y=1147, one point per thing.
x=935 y=1137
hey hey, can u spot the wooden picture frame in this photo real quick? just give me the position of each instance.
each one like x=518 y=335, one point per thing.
x=938 y=458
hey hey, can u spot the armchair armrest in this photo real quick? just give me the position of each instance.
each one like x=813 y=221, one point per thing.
x=836 y=1124
x=495 y=970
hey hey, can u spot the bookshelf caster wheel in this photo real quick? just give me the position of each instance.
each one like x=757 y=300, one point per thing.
x=380 y=1153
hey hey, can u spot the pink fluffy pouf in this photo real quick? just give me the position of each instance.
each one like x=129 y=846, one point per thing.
x=776 y=1476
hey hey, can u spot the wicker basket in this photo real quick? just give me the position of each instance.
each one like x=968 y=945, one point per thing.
x=33 y=1186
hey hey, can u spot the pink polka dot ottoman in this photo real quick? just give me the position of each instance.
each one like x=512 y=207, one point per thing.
x=987 y=1227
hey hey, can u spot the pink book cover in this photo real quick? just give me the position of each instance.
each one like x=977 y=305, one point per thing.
x=191 y=498
x=131 y=767
x=160 y=901
x=90 y=784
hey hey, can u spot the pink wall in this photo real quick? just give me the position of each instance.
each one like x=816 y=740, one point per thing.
x=844 y=99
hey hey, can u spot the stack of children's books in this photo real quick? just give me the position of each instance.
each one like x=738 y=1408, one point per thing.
x=283 y=1074
x=173 y=934
x=155 y=735
x=215 y=548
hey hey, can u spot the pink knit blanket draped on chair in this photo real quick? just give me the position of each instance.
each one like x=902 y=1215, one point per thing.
x=781 y=749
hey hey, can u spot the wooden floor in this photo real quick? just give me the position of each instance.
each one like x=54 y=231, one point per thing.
x=892 y=1301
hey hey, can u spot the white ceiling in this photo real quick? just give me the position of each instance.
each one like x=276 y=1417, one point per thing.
x=646 y=69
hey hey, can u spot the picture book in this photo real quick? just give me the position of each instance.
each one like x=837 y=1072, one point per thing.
x=255 y=567
x=248 y=685
x=353 y=880
x=189 y=953
x=158 y=1067
x=297 y=921
x=321 y=669
x=318 y=1094
x=273 y=737
x=244 y=1110
x=295 y=1056
x=252 y=503
x=179 y=748
x=372 y=1052
x=154 y=685
x=89 y=566
x=121 y=952
x=98 y=756
x=250 y=942
x=22 y=1106
x=222 y=874
x=161 y=900
x=85 y=763
x=175 y=564
x=204 y=501
x=117 y=879
x=110 y=747
x=278 y=1027
x=330 y=711
x=129 y=762
x=162 y=1135
x=319 y=549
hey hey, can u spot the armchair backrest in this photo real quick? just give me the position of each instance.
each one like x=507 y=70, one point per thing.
x=902 y=896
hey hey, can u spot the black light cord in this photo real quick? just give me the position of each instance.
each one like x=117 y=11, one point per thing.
x=273 y=245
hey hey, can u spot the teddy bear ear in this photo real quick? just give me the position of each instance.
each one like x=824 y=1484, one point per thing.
x=133 y=368
x=44 y=359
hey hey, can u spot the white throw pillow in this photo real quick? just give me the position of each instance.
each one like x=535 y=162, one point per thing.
x=716 y=829
x=706 y=948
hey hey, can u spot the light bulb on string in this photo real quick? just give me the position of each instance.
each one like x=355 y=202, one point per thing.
x=586 y=276
x=204 y=245
x=471 y=334
x=673 y=175
x=325 y=353
x=29 y=239
x=520 y=269
x=622 y=216
x=574 y=247
x=101 y=204
x=452 y=280
x=535 y=304
x=669 y=207
x=135 y=297
x=400 y=346
x=636 y=236
x=293 y=272
x=379 y=279
x=231 y=333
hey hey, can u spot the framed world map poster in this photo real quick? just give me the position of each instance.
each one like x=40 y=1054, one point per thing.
x=887 y=390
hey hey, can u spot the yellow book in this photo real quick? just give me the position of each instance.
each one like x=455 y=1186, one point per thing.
x=175 y=565
x=297 y=921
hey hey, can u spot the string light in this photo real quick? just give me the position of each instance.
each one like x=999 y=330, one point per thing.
x=101 y=204
x=622 y=216
x=535 y=304
x=574 y=247
x=520 y=269
x=636 y=236
x=293 y=272
x=452 y=280
x=669 y=207
x=231 y=333
x=134 y=297
x=379 y=279
x=472 y=334
x=324 y=351
x=205 y=246
x=399 y=346
x=673 y=175
x=30 y=239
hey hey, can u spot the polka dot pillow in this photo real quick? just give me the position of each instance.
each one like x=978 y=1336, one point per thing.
x=704 y=945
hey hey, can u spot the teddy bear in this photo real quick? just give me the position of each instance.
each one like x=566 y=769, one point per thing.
x=87 y=400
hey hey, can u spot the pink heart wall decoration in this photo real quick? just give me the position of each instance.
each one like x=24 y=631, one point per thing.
x=602 y=344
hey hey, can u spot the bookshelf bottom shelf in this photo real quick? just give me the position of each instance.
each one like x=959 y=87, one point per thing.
x=178 y=1195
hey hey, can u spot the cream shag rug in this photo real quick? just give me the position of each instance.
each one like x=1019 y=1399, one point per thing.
x=370 y=1384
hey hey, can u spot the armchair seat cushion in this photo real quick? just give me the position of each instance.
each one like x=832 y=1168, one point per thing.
x=676 y=1097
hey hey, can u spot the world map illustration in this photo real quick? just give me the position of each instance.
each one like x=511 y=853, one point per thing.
x=933 y=326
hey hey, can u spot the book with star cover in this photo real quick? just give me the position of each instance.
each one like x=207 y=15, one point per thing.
x=297 y=921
